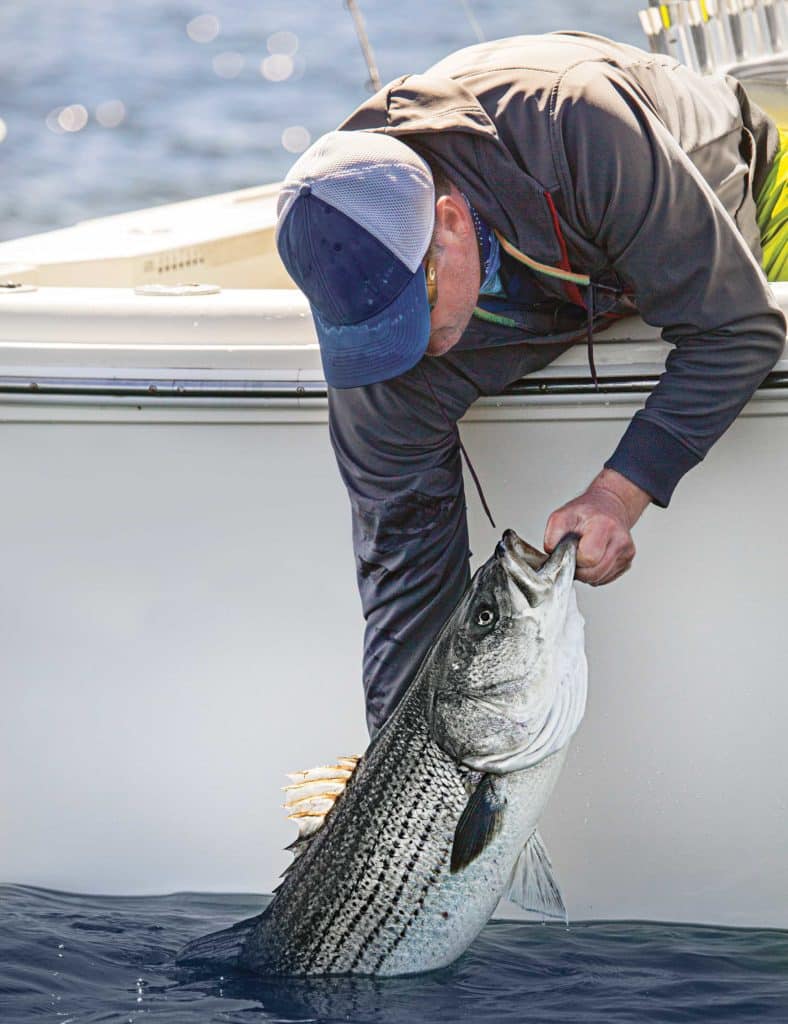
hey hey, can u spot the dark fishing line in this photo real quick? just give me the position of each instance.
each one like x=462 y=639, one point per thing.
x=455 y=427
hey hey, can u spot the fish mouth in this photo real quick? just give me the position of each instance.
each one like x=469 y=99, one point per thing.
x=535 y=573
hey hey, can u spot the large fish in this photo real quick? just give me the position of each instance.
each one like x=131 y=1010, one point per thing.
x=438 y=819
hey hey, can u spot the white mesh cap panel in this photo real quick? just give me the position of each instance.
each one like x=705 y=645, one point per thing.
x=377 y=181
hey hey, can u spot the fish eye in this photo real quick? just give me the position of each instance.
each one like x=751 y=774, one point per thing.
x=485 y=617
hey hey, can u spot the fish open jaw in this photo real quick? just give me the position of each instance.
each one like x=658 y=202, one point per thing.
x=534 y=572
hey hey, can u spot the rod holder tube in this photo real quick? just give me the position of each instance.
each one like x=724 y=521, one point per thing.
x=676 y=20
x=719 y=35
x=754 y=42
x=700 y=36
x=771 y=20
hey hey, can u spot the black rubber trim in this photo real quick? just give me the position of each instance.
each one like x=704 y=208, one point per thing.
x=272 y=389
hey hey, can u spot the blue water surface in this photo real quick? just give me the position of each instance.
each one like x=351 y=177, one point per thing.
x=187 y=131
x=74 y=959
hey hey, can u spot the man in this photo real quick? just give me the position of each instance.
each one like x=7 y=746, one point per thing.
x=462 y=229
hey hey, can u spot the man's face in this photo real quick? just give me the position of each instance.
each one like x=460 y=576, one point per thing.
x=456 y=254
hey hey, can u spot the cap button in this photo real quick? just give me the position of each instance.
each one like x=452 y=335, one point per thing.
x=305 y=190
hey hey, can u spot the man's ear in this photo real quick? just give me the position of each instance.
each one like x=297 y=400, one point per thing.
x=452 y=218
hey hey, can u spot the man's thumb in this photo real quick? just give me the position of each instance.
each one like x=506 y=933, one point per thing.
x=561 y=522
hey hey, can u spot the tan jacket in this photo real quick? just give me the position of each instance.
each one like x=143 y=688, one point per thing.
x=596 y=156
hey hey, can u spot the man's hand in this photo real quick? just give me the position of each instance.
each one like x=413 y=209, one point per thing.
x=603 y=517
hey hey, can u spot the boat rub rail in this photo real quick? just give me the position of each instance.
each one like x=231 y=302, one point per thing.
x=273 y=389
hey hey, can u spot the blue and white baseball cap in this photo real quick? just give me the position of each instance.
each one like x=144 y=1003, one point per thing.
x=355 y=219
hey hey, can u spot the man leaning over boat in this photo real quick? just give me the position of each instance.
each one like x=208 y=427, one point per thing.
x=467 y=225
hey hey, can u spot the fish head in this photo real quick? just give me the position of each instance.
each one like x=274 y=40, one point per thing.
x=509 y=682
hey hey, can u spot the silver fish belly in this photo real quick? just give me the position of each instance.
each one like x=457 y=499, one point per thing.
x=439 y=819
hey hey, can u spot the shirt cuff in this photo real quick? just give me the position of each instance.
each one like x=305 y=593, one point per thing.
x=653 y=459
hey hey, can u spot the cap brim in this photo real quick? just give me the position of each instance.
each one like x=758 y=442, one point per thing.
x=382 y=347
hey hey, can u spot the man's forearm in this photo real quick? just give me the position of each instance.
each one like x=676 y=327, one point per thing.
x=628 y=496
x=706 y=383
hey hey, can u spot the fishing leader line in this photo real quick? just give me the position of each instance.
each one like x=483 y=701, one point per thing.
x=455 y=427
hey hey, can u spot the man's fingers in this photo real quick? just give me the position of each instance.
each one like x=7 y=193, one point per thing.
x=562 y=521
x=594 y=572
x=597 y=536
x=614 y=561
x=603 y=520
x=622 y=568
x=594 y=543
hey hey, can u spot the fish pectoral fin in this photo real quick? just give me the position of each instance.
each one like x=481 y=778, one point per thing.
x=480 y=822
x=532 y=885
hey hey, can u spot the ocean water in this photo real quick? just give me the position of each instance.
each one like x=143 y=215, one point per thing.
x=73 y=959
x=114 y=105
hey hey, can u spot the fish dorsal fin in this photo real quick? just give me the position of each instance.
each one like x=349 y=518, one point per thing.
x=311 y=795
x=532 y=885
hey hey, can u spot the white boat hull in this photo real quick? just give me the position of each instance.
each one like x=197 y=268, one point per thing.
x=180 y=624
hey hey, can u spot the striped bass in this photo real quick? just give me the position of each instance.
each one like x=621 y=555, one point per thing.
x=404 y=856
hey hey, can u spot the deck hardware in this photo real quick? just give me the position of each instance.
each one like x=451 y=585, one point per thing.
x=177 y=289
x=7 y=287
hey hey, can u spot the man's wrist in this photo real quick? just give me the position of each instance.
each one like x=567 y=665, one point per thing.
x=632 y=498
